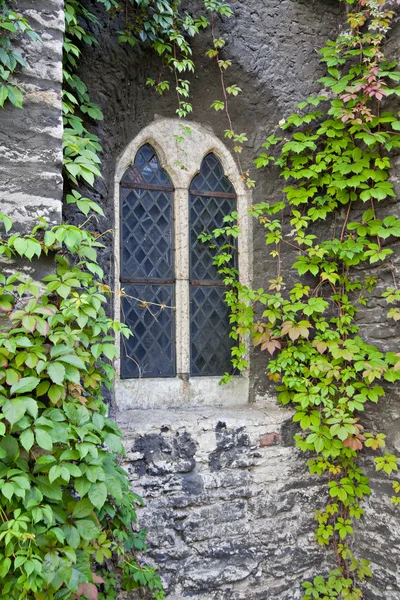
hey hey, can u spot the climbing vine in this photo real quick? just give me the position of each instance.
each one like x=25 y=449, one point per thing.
x=12 y=25
x=334 y=155
x=66 y=508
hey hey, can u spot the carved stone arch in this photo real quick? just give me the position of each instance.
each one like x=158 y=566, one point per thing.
x=160 y=134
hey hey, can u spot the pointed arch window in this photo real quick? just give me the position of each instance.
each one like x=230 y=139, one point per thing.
x=194 y=339
x=147 y=268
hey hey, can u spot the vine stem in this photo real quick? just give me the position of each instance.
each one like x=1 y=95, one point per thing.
x=294 y=246
x=226 y=99
x=176 y=79
x=373 y=209
x=345 y=222
x=122 y=294
x=278 y=260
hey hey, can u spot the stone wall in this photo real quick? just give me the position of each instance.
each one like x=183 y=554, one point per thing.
x=229 y=503
x=31 y=139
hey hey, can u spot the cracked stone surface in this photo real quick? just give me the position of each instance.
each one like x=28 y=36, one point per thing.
x=31 y=138
x=227 y=517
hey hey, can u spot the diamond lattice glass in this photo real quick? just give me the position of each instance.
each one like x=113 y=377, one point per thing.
x=147 y=234
x=211 y=198
x=147 y=269
x=210 y=344
x=211 y=177
x=150 y=352
x=146 y=170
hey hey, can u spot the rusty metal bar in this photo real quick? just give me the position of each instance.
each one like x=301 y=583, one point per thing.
x=146 y=281
x=207 y=282
x=146 y=186
x=212 y=194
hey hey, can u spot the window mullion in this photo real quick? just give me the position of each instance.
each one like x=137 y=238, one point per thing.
x=182 y=281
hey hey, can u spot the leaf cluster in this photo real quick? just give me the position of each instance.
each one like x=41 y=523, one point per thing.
x=12 y=26
x=66 y=507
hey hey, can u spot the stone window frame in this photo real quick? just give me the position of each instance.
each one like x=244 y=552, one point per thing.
x=182 y=390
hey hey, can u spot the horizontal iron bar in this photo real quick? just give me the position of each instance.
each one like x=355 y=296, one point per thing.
x=147 y=281
x=212 y=194
x=208 y=282
x=147 y=186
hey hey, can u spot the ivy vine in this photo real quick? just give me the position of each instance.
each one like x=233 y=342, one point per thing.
x=334 y=156
x=66 y=507
x=12 y=25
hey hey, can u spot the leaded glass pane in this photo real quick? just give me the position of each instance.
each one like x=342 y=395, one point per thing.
x=147 y=270
x=206 y=214
x=150 y=352
x=211 y=198
x=211 y=177
x=210 y=344
x=146 y=170
x=146 y=234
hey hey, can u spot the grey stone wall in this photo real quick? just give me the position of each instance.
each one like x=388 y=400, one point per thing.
x=229 y=504
x=31 y=139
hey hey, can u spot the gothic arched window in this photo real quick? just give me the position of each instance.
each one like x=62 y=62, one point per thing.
x=172 y=297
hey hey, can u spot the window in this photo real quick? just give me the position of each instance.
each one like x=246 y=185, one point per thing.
x=147 y=269
x=176 y=357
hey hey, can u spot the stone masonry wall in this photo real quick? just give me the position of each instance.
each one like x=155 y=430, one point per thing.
x=31 y=138
x=228 y=504
x=228 y=501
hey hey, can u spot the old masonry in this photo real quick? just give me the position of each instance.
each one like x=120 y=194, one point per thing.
x=228 y=501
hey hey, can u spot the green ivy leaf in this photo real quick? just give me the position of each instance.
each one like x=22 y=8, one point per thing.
x=56 y=372
x=114 y=443
x=43 y=439
x=87 y=529
x=52 y=491
x=14 y=410
x=25 y=384
x=98 y=494
x=82 y=509
x=27 y=439
x=8 y=489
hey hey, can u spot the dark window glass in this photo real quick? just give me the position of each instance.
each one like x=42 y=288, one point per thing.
x=147 y=269
x=210 y=344
x=211 y=198
x=206 y=214
x=212 y=178
x=146 y=171
x=147 y=234
x=150 y=352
